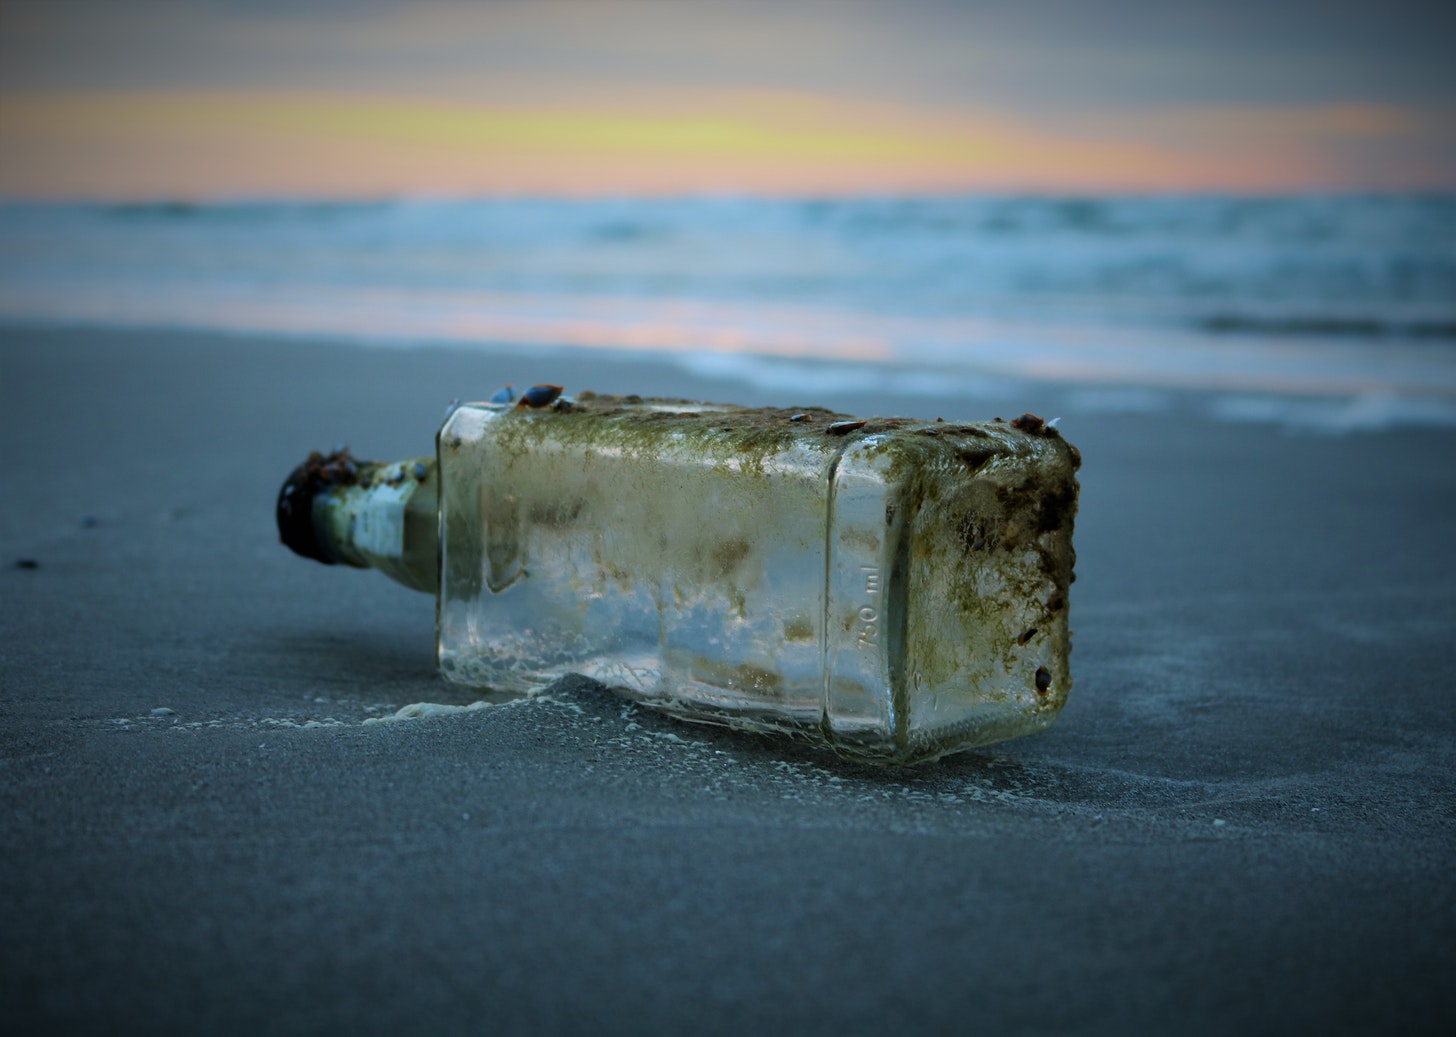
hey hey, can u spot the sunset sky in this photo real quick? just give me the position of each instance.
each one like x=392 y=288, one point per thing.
x=156 y=99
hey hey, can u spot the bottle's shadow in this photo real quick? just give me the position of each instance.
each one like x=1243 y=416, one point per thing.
x=985 y=769
x=394 y=669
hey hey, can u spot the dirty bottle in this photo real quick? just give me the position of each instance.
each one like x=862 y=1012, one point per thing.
x=897 y=589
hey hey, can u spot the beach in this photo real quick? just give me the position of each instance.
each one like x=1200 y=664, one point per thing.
x=1242 y=821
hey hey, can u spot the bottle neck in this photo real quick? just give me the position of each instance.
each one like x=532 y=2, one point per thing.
x=339 y=510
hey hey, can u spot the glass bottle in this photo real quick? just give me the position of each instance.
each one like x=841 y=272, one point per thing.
x=897 y=589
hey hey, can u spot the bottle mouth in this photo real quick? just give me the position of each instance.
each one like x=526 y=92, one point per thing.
x=317 y=475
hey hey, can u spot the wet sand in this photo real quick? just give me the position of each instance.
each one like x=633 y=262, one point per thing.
x=1242 y=821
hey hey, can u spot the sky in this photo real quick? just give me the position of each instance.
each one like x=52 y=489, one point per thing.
x=154 y=99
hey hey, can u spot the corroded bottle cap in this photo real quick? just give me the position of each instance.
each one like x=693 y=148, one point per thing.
x=318 y=474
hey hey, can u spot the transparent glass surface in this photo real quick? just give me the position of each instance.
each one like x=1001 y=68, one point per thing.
x=896 y=589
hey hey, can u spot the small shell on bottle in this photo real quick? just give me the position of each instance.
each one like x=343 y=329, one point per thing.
x=539 y=396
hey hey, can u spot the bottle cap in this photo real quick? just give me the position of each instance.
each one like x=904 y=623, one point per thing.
x=317 y=475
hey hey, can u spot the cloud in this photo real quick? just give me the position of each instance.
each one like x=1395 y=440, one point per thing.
x=190 y=143
x=161 y=96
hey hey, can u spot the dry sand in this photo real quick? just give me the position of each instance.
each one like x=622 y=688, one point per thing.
x=1242 y=822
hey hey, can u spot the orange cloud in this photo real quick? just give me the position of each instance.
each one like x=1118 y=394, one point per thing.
x=208 y=144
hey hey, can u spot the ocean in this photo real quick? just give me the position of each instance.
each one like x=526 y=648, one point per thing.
x=1333 y=313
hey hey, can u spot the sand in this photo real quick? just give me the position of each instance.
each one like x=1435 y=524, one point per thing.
x=1242 y=821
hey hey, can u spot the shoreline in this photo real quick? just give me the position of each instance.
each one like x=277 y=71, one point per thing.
x=1290 y=403
x=1241 y=819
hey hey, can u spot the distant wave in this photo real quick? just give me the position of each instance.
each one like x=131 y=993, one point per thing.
x=230 y=212
x=1329 y=326
x=1346 y=297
